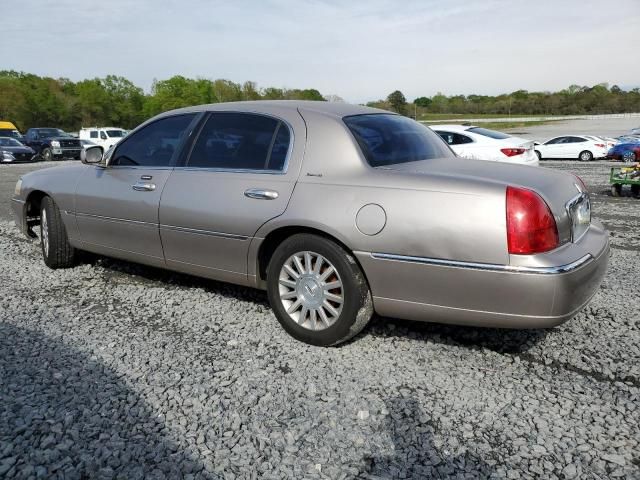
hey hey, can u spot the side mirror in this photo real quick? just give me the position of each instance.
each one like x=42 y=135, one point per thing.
x=91 y=156
x=536 y=143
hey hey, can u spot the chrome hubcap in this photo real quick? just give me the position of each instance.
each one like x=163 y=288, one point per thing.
x=45 y=232
x=311 y=290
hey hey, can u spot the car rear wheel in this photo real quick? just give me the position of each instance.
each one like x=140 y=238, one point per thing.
x=585 y=156
x=317 y=290
x=635 y=191
x=56 y=250
x=628 y=156
x=616 y=190
x=47 y=155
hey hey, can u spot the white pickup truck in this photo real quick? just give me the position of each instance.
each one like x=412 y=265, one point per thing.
x=106 y=137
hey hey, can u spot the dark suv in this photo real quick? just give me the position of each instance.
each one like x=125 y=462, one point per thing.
x=53 y=144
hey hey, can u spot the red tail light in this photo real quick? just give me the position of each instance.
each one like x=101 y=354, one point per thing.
x=510 y=152
x=601 y=145
x=531 y=227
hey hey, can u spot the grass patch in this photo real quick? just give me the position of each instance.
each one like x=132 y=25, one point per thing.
x=501 y=125
x=434 y=117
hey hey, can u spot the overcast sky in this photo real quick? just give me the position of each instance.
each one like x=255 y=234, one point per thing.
x=358 y=50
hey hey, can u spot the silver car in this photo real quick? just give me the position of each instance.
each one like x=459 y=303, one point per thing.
x=336 y=210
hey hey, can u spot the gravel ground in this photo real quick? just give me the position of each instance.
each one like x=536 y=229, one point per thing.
x=114 y=370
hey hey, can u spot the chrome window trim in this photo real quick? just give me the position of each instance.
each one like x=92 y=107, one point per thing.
x=486 y=266
x=285 y=165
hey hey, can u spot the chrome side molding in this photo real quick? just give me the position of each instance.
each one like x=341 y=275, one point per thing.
x=486 y=266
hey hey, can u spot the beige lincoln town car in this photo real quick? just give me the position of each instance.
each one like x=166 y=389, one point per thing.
x=338 y=211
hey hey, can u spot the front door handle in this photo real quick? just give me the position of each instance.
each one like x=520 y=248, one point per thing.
x=144 y=187
x=261 y=194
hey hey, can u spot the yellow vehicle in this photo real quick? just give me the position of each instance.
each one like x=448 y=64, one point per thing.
x=8 y=129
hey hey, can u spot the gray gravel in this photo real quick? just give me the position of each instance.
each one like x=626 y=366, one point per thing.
x=114 y=370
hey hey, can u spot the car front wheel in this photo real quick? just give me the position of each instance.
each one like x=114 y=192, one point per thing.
x=539 y=155
x=57 y=252
x=317 y=290
x=47 y=155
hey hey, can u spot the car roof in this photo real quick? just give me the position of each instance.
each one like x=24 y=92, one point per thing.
x=334 y=109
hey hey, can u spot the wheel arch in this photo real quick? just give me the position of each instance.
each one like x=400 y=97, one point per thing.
x=276 y=236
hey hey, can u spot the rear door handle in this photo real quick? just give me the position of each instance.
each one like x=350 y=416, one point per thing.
x=144 y=187
x=261 y=194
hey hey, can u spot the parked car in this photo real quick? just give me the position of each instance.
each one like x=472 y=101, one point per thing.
x=581 y=147
x=8 y=129
x=608 y=141
x=12 y=151
x=106 y=137
x=483 y=144
x=627 y=152
x=53 y=144
x=336 y=210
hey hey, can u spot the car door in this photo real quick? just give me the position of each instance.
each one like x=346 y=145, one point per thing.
x=553 y=148
x=576 y=145
x=116 y=206
x=236 y=178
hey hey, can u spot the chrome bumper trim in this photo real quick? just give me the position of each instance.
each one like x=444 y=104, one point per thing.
x=486 y=266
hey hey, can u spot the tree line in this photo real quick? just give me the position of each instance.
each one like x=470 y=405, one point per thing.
x=29 y=100
x=575 y=100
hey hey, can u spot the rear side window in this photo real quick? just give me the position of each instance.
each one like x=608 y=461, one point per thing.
x=241 y=141
x=154 y=145
x=488 y=133
x=93 y=134
x=577 y=140
x=387 y=139
x=454 y=138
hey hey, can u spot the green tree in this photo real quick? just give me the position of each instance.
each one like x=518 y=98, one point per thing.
x=423 y=102
x=398 y=102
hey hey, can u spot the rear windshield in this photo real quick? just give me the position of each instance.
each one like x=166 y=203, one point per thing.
x=488 y=133
x=387 y=139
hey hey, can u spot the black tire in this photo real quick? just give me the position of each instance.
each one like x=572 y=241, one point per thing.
x=635 y=191
x=47 y=155
x=539 y=155
x=58 y=253
x=357 y=306
x=616 y=190
x=585 y=156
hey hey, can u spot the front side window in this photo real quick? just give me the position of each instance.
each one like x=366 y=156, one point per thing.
x=154 y=145
x=555 y=141
x=103 y=135
x=241 y=141
x=387 y=139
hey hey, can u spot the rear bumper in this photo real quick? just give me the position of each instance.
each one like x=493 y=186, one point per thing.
x=485 y=295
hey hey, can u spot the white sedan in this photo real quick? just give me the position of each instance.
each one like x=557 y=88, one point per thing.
x=582 y=147
x=483 y=144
